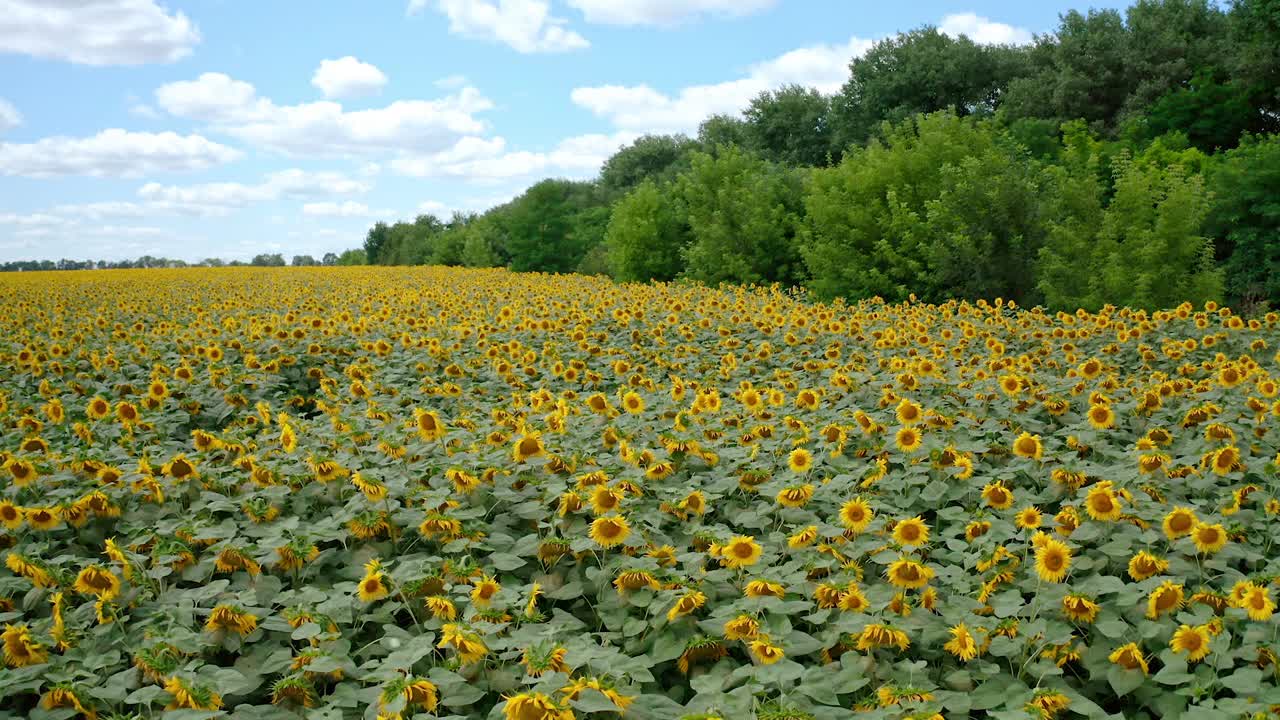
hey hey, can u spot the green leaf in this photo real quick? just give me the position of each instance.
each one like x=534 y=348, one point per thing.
x=1124 y=681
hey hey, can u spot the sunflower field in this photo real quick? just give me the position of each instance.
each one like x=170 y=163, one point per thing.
x=431 y=492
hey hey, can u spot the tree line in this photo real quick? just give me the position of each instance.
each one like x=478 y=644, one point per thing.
x=1126 y=157
x=350 y=257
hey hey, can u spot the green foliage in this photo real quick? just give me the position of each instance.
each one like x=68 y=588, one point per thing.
x=553 y=224
x=791 y=125
x=743 y=214
x=722 y=130
x=374 y=241
x=1144 y=248
x=902 y=76
x=1245 y=218
x=945 y=207
x=355 y=256
x=652 y=157
x=647 y=232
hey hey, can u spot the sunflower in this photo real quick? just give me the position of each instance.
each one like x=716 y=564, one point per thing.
x=1179 y=522
x=1193 y=641
x=1165 y=599
x=1209 y=539
x=605 y=499
x=180 y=468
x=1225 y=460
x=533 y=706
x=997 y=496
x=231 y=618
x=740 y=552
x=1028 y=518
x=685 y=605
x=1257 y=602
x=10 y=515
x=97 y=409
x=852 y=600
x=795 y=496
x=1129 y=657
x=1028 y=446
x=1053 y=561
x=528 y=446
x=43 y=518
x=803 y=537
x=877 y=635
x=22 y=472
x=908 y=439
x=742 y=627
x=633 y=403
x=765 y=651
x=20 y=649
x=1145 y=565
x=976 y=529
x=856 y=515
x=909 y=413
x=610 y=531
x=764 y=588
x=800 y=460
x=1047 y=704
x=911 y=532
x=97 y=580
x=1102 y=503
x=484 y=591
x=907 y=573
x=1079 y=608
x=962 y=644
x=1101 y=417
x=373 y=586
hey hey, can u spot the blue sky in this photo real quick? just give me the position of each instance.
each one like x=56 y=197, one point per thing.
x=228 y=128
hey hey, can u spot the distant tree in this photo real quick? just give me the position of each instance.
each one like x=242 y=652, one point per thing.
x=268 y=260
x=656 y=157
x=720 y=131
x=920 y=71
x=944 y=207
x=353 y=257
x=647 y=234
x=303 y=261
x=1245 y=219
x=374 y=242
x=791 y=125
x=743 y=214
x=212 y=262
x=478 y=241
x=329 y=259
x=553 y=224
x=1144 y=248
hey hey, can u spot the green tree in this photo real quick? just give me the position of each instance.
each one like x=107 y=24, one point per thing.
x=478 y=244
x=1144 y=249
x=722 y=130
x=374 y=242
x=355 y=256
x=656 y=157
x=553 y=224
x=944 y=207
x=1245 y=219
x=743 y=213
x=791 y=125
x=920 y=71
x=646 y=235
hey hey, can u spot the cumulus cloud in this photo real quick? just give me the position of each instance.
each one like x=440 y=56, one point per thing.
x=663 y=12
x=983 y=31
x=96 y=32
x=9 y=116
x=350 y=208
x=113 y=153
x=525 y=26
x=323 y=128
x=488 y=160
x=641 y=108
x=220 y=198
x=348 y=77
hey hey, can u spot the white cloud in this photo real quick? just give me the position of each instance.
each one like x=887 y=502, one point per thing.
x=95 y=32
x=487 y=160
x=348 y=77
x=452 y=82
x=324 y=128
x=220 y=198
x=9 y=116
x=641 y=108
x=349 y=208
x=113 y=153
x=663 y=12
x=525 y=26
x=984 y=31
